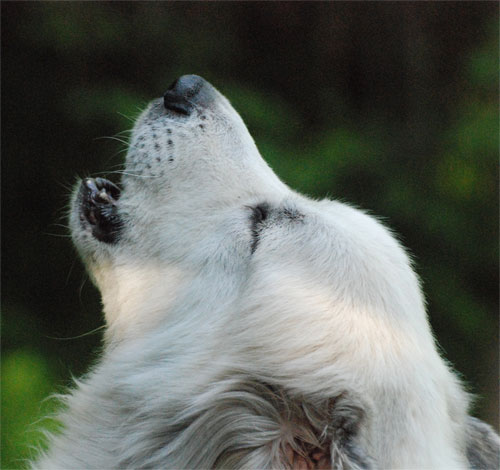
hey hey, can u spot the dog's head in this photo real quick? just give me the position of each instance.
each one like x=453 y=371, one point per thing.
x=207 y=261
x=202 y=225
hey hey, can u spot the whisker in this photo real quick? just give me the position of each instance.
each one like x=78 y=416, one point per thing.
x=57 y=235
x=111 y=137
x=129 y=118
x=65 y=186
x=66 y=227
x=70 y=271
x=121 y=172
x=81 y=290
x=66 y=212
x=91 y=332
x=117 y=165
x=121 y=151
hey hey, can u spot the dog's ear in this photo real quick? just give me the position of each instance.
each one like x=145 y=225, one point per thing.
x=483 y=445
x=327 y=437
x=243 y=423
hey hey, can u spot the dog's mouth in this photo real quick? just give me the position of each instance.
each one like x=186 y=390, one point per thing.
x=98 y=208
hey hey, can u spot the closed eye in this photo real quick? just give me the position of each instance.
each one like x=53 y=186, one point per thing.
x=260 y=213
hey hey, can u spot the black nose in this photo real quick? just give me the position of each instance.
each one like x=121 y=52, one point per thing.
x=185 y=93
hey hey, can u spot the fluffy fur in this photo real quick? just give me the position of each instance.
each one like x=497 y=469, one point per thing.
x=251 y=327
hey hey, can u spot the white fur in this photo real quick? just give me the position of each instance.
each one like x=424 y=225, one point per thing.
x=326 y=306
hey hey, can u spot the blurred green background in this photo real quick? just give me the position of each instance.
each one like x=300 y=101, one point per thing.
x=391 y=106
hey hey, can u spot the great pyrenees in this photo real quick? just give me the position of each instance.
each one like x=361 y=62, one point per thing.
x=247 y=325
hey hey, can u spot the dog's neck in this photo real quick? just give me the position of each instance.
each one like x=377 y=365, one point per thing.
x=127 y=289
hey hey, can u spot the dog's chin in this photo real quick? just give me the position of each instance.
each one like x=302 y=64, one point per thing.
x=96 y=206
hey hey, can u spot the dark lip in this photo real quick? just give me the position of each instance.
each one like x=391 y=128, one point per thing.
x=98 y=206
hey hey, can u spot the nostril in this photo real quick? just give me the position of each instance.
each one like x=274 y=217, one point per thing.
x=183 y=94
x=176 y=103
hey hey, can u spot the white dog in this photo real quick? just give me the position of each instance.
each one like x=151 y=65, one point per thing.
x=249 y=326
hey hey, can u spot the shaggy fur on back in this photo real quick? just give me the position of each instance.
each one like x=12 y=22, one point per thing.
x=249 y=326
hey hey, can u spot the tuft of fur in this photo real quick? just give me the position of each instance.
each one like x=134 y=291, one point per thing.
x=483 y=445
x=248 y=326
